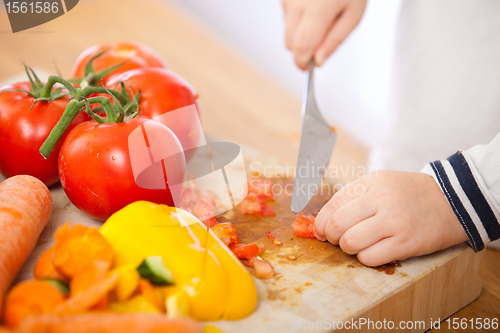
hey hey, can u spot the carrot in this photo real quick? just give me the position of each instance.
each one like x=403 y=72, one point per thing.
x=107 y=323
x=25 y=207
x=78 y=246
x=30 y=298
x=45 y=269
x=91 y=274
x=84 y=300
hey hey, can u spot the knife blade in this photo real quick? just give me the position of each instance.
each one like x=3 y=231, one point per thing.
x=317 y=140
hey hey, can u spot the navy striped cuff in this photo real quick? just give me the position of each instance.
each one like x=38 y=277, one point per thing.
x=468 y=202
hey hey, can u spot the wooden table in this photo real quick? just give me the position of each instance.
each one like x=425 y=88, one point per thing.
x=240 y=104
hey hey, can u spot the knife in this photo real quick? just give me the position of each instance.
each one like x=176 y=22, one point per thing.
x=317 y=140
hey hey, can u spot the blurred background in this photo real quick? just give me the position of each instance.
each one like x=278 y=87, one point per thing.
x=352 y=87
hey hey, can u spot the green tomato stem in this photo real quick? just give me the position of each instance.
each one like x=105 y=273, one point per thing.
x=72 y=110
x=47 y=89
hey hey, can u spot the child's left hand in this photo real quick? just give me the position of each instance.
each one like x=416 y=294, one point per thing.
x=389 y=215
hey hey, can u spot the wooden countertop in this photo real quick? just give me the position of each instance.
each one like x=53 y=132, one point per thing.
x=240 y=104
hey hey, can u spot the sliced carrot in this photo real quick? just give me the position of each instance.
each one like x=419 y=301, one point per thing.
x=153 y=294
x=77 y=246
x=108 y=323
x=94 y=272
x=25 y=207
x=84 y=300
x=30 y=298
x=45 y=269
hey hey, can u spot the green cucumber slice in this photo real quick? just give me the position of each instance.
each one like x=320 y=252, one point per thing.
x=155 y=270
x=59 y=285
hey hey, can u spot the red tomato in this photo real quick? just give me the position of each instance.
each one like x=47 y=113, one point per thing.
x=22 y=132
x=162 y=91
x=252 y=204
x=245 y=251
x=96 y=171
x=303 y=226
x=262 y=187
x=137 y=54
x=226 y=233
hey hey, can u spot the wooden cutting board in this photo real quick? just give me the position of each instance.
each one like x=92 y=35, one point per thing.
x=323 y=283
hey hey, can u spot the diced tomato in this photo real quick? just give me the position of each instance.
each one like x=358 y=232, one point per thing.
x=245 y=251
x=208 y=196
x=203 y=209
x=263 y=269
x=303 y=226
x=256 y=206
x=262 y=187
x=266 y=209
x=226 y=233
x=270 y=235
x=251 y=204
x=187 y=197
x=251 y=262
x=210 y=222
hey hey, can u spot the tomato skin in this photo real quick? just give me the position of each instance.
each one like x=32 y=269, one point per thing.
x=137 y=54
x=162 y=91
x=22 y=132
x=245 y=251
x=96 y=172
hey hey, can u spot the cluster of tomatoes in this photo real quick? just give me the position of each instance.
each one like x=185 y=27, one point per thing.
x=92 y=158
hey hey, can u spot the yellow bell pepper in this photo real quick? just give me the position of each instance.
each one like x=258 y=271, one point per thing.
x=136 y=304
x=128 y=281
x=217 y=284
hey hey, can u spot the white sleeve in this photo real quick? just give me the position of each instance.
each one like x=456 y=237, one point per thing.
x=471 y=182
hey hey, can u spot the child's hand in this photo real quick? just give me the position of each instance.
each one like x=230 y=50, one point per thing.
x=389 y=215
x=317 y=27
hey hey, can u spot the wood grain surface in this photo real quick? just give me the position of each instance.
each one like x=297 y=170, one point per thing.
x=240 y=104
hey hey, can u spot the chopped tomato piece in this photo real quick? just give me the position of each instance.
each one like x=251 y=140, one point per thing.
x=263 y=269
x=226 y=233
x=256 y=206
x=266 y=210
x=262 y=187
x=210 y=222
x=187 y=197
x=203 y=209
x=251 y=262
x=270 y=235
x=303 y=226
x=245 y=251
x=208 y=196
x=251 y=204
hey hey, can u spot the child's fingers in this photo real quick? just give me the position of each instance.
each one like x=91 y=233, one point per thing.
x=345 y=195
x=364 y=234
x=339 y=32
x=348 y=216
x=383 y=252
x=313 y=27
x=293 y=14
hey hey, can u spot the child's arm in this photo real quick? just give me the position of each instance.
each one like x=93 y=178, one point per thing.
x=393 y=215
x=315 y=28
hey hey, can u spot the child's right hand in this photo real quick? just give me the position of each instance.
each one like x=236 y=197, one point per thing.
x=315 y=28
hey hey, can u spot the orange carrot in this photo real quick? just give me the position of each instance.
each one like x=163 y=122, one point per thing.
x=4 y=330
x=30 y=298
x=45 y=269
x=107 y=323
x=153 y=294
x=91 y=274
x=84 y=300
x=76 y=247
x=25 y=207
